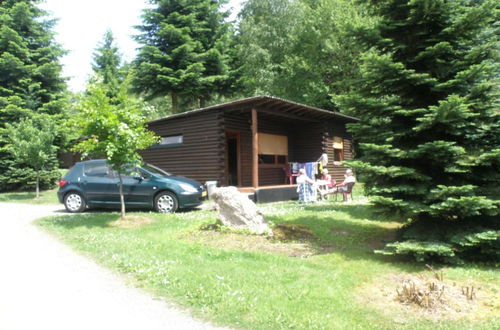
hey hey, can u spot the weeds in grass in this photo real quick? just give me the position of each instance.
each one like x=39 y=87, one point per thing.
x=426 y=295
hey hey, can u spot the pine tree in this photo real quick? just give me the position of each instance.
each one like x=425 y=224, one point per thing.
x=107 y=64
x=429 y=133
x=183 y=51
x=30 y=81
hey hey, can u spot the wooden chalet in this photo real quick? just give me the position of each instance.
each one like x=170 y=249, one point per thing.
x=247 y=143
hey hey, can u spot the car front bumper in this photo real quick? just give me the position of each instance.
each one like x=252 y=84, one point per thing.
x=188 y=199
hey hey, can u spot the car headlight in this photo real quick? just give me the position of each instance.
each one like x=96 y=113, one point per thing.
x=188 y=188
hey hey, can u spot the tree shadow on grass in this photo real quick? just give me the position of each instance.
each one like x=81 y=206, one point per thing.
x=100 y=217
x=355 y=237
x=87 y=220
x=356 y=211
x=8 y=197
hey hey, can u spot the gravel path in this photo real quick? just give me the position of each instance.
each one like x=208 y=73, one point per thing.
x=45 y=285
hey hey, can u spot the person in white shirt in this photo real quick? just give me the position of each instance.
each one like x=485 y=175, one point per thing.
x=344 y=186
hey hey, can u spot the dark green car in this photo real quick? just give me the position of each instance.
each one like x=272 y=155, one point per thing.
x=93 y=184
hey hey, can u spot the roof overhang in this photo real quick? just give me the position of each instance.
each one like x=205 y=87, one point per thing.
x=271 y=106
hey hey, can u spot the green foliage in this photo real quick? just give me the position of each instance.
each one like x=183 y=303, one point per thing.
x=107 y=64
x=184 y=51
x=30 y=82
x=112 y=128
x=31 y=142
x=115 y=131
x=429 y=130
x=300 y=50
x=20 y=176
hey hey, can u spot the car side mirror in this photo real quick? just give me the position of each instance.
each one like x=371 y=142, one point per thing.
x=138 y=178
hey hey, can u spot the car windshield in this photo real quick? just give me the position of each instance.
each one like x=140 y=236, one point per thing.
x=155 y=170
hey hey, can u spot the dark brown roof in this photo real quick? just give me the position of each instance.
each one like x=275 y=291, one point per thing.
x=271 y=105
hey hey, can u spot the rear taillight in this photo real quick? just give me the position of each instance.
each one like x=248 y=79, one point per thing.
x=62 y=183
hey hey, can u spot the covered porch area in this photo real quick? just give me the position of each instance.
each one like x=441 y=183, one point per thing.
x=261 y=140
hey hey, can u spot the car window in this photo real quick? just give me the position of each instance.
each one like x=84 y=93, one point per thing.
x=155 y=170
x=96 y=170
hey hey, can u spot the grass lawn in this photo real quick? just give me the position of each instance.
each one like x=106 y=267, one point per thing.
x=333 y=281
x=46 y=197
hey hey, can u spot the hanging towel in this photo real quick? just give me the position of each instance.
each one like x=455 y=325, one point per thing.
x=310 y=170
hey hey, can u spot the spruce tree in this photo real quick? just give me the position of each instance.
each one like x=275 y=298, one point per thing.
x=30 y=81
x=429 y=131
x=183 y=51
x=107 y=64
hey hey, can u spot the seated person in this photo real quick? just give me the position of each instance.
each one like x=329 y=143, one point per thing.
x=343 y=187
x=305 y=187
x=330 y=187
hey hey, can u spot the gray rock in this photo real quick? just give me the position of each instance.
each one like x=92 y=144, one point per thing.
x=237 y=211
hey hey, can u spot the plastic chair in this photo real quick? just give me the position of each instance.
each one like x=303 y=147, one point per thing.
x=345 y=194
x=289 y=175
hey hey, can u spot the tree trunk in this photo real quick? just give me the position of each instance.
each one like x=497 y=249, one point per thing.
x=202 y=102
x=37 y=195
x=175 y=102
x=122 y=200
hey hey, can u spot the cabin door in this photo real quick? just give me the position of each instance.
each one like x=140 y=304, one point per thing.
x=233 y=165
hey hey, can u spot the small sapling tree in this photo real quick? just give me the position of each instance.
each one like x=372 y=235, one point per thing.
x=31 y=142
x=113 y=128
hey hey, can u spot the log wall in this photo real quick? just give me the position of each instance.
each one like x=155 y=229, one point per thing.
x=200 y=156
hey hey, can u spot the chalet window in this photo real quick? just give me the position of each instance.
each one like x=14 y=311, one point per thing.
x=338 y=149
x=171 y=140
x=273 y=149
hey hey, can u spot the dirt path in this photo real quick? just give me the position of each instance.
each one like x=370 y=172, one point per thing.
x=45 y=285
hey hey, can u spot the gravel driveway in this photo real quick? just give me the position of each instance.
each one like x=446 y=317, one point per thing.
x=45 y=285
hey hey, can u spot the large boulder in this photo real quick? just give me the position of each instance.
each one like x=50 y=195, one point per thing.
x=237 y=211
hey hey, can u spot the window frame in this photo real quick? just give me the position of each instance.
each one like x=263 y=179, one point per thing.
x=340 y=150
x=170 y=145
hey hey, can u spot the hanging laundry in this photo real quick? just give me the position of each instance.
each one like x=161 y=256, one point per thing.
x=311 y=169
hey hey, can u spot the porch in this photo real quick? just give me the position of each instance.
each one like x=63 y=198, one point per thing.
x=273 y=193
x=261 y=143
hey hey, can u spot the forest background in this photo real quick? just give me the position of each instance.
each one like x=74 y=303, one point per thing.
x=421 y=75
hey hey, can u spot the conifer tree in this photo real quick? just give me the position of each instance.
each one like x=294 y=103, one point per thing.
x=107 y=64
x=30 y=81
x=429 y=133
x=183 y=51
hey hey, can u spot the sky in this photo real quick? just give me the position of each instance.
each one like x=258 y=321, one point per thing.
x=81 y=26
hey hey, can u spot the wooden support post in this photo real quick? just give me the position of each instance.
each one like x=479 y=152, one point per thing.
x=255 y=150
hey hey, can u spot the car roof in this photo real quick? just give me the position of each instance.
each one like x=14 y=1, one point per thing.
x=92 y=161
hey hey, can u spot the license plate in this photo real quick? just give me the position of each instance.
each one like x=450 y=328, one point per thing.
x=204 y=193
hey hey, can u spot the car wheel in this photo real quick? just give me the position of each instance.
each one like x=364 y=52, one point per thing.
x=74 y=202
x=166 y=202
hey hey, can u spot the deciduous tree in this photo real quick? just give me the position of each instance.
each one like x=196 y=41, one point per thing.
x=31 y=142
x=114 y=130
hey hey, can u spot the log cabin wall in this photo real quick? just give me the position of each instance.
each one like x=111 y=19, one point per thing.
x=203 y=153
x=337 y=129
x=307 y=142
x=200 y=156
